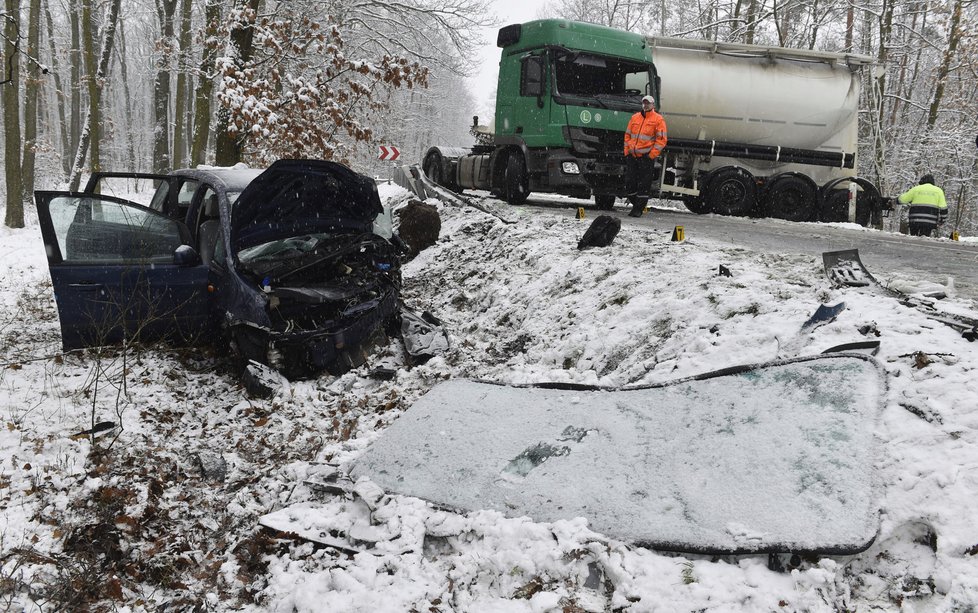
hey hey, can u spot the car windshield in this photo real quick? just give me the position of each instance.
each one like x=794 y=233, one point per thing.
x=296 y=257
x=277 y=250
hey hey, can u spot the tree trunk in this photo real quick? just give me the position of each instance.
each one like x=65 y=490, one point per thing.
x=94 y=124
x=31 y=88
x=59 y=96
x=91 y=129
x=850 y=22
x=752 y=12
x=229 y=145
x=205 y=88
x=180 y=112
x=124 y=72
x=162 y=161
x=945 y=68
x=74 y=13
x=11 y=114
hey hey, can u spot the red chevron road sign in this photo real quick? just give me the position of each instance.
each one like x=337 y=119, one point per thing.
x=389 y=153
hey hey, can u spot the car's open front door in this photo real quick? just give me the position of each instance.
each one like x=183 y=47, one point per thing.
x=120 y=270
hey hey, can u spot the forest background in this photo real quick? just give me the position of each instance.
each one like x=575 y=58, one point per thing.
x=150 y=86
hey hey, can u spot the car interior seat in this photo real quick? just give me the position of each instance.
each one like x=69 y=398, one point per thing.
x=210 y=227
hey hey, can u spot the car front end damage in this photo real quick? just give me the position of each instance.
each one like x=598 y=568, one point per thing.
x=318 y=302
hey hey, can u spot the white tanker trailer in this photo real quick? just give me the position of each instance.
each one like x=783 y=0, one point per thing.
x=753 y=130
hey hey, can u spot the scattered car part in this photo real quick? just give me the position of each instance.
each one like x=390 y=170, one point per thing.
x=867 y=347
x=823 y=315
x=262 y=381
x=778 y=457
x=845 y=269
x=601 y=232
x=423 y=335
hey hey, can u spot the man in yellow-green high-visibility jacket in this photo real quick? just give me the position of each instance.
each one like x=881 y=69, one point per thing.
x=927 y=206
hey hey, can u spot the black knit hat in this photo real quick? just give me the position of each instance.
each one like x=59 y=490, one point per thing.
x=927 y=178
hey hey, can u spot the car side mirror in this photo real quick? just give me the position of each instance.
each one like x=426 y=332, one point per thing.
x=185 y=255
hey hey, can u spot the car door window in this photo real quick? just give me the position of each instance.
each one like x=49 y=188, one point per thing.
x=92 y=229
x=185 y=196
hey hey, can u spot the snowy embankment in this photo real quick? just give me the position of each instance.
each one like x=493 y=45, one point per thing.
x=163 y=509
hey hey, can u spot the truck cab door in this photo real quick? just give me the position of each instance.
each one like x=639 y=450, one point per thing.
x=531 y=110
x=120 y=271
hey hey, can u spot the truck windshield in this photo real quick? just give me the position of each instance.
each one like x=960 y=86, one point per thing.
x=599 y=78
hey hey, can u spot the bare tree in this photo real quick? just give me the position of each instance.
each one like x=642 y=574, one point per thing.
x=241 y=37
x=205 y=82
x=161 y=87
x=31 y=88
x=10 y=82
x=180 y=114
x=90 y=133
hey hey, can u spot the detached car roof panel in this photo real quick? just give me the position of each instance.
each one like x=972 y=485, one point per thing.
x=773 y=458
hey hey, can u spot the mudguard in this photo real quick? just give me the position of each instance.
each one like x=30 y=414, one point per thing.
x=767 y=458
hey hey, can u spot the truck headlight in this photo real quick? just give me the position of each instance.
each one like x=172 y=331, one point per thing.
x=570 y=168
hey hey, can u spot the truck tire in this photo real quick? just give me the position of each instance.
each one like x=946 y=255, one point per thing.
x=731 y=191
x=697 y=205
x=433 y=166
x=835 y=208
x=517 y=180
x=604 y=202
x=790 y=197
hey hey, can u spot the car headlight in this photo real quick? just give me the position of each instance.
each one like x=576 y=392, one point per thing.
x=570 y=168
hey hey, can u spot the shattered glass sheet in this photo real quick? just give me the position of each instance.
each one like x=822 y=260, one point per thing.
x=773 y=458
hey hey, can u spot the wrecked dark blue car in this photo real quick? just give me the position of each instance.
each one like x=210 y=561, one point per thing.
x=294 y=267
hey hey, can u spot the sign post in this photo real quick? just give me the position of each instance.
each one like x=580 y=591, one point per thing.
x=390 y=153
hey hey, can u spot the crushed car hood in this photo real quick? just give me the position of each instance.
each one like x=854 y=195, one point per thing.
x=295 y=197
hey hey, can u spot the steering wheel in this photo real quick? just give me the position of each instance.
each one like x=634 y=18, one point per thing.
x=633 y=92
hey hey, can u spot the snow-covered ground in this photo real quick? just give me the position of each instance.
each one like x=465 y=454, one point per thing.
x=163 y=510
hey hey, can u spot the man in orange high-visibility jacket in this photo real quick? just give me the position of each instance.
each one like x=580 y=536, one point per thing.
x=645 y=138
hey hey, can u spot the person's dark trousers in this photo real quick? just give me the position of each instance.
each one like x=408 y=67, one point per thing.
x=921 y=229
x=639 y=173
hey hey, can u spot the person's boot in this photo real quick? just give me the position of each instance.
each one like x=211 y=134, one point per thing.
x=636 y=210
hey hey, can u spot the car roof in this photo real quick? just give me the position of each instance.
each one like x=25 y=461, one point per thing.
x=232 y=179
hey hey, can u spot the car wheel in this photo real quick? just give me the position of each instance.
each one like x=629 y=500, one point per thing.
x=517 y=180
x=791 y=198
x=731 y=191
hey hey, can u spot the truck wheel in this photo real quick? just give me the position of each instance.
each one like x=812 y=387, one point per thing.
x=835 y=207
x=697 y=205
x=791 y=198
x=432 y=167
x=604 y=202
x=731 y=191
x=517 y=181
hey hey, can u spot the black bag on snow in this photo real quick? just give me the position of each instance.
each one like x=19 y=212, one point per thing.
x=601 y=232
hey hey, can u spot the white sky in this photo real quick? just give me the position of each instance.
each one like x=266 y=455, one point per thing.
x=483 y=83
